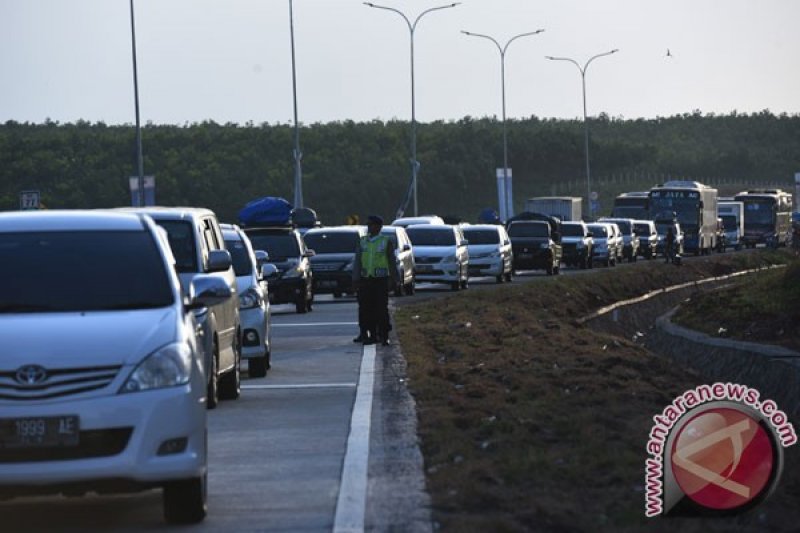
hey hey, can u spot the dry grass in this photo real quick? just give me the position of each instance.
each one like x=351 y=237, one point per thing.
x=529 y=421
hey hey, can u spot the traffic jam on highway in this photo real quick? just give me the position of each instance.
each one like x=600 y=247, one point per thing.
x=122 y=405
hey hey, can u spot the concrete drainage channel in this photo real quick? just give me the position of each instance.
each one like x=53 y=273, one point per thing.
x=773 y=370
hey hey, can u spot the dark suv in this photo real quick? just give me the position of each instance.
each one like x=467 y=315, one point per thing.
x=535 y=246
x=334 y=256
x=294 y=281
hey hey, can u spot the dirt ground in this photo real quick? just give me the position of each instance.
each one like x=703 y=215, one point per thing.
x=531 y=422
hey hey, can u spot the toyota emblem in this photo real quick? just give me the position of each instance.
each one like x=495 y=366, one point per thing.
x=31 y=375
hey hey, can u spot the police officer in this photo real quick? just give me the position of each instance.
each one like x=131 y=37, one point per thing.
x=377 y=272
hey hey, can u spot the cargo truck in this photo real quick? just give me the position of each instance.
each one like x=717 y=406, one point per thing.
x=565 y=208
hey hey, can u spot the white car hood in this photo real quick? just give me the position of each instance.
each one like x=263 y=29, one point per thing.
x=84 y=339
x=434 y=251
x=475 y=249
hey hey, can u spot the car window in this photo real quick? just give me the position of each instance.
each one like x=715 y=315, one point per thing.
x=482 y=236
x=572 y=230
x=240 y=256
x=181 y=240
x=431 y=237
x=82 y=271
x=599 y=231
x=279 y=246
x=332 y=242
x=534 y=229
x=210 y=236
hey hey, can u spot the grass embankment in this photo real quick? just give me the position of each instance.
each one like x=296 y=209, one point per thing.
x=763 y=308
x=531 y=422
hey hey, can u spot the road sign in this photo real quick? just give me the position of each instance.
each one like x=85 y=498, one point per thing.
x=29 y=200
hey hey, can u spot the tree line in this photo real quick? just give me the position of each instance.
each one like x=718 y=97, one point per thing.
x=360 y=168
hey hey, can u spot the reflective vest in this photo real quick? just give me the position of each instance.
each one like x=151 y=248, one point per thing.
x=374 y=263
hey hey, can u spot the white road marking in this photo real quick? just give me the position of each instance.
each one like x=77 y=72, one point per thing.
x=314 y=324
x=303 y=386
x=352 y=501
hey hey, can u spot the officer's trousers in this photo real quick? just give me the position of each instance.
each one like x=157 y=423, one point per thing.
x=373 y=307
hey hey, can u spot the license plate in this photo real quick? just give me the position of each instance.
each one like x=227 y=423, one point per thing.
x=49 y=431
x=526 y=256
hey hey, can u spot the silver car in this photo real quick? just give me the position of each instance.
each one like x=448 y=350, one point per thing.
x=103 y=381
x=404 y=259
x=489 y=251
x=254 y=309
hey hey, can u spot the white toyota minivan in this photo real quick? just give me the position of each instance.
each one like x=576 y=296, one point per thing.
x=102 y=383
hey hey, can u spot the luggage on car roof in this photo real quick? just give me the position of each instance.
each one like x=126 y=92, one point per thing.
x=266 y=210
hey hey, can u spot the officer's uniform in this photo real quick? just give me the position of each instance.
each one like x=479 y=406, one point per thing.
x=375 y=257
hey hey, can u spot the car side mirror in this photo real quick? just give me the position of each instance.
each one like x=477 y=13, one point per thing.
x=269 y=271
x=218 y=261
x=261 y=258
x=207 y=291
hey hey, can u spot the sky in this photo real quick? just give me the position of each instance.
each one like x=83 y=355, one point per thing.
x=230 y=60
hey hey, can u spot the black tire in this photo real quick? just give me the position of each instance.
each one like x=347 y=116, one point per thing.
x=212 y=389
x=230 y=385
x=257 y=367
x=185 y=500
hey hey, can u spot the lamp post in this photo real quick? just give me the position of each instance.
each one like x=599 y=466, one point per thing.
x=139 y=157
x=502 y=50
x=411 y=28
x=585 y=123
x=298 y=155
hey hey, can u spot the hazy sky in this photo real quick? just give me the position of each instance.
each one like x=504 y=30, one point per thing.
x=229 y=60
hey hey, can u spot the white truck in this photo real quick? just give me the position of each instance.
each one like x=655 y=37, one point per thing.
x=565 y=208
x=732 y=215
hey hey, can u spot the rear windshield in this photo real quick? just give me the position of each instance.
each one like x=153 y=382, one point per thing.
x=529 y=229
x=431 y=237
x=482 y=236
x=181 y=240
x=599 y=231
x=642 y=229
x=572 y=230
x=82 y=271
x=332 y=242
x=240 y=255
x=280 y=247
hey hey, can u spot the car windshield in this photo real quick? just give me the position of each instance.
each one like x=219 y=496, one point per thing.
x=431 y=237
x=279 y=246
x=332 y=242
x=759 y=212
x=572 y=230
x=82 y=271
x=599 y=231
x=482 y=236
x=181 y=240
x=529 y=229
x=624 y=227
x=242 y=264
x=642 y=229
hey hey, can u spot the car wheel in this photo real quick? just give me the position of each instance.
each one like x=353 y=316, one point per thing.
x=185 y=500
x=230 y=386
x=212 y=392
x=257 y=367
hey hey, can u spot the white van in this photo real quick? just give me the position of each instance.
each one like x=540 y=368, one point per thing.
x=732 y=215
x=440 y=254
x=489 y=251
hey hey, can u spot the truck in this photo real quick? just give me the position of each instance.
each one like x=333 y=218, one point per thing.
x=732 y=215
x=694 y=206
x=564 y=208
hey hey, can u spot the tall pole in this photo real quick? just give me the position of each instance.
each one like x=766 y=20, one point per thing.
x=502 y=50
x=139 y=157
x=582 y=70
x=411 y=29
x=298 y=155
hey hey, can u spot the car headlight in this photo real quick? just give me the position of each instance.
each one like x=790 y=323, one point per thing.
x=448 y=259
x=169 y=366
x=250 y=299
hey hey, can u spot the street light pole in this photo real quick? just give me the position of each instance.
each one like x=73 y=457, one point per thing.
x=298 y=155
x=582 y=70
x=139 y=157
x=502 y=50
x=412 y=28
